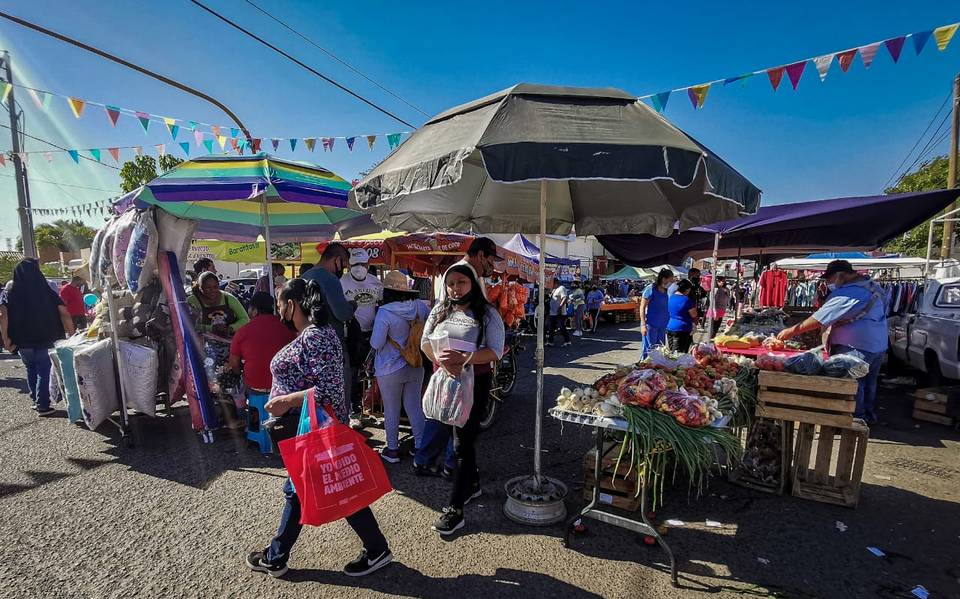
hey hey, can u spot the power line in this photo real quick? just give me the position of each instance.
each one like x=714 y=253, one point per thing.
x=302 y=64
x=50 y=143
x=896 y=173
x=39 y=180
x=337 y=58
x=931 y=143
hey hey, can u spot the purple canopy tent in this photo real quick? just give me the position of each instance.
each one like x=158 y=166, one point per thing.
x=858 y=223
x=523 y=246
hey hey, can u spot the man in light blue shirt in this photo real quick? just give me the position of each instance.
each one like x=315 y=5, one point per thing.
x=855 y=312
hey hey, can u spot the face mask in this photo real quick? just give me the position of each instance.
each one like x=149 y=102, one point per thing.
x=358 y=272
x=463 y=301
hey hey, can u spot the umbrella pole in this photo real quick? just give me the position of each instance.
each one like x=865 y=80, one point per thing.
x=538 y=425
x=266 y=242
x=713 y=285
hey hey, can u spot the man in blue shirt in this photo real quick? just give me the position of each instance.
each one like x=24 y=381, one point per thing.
x=855 y=317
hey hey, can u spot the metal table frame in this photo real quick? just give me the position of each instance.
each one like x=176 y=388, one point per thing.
x=592 y=509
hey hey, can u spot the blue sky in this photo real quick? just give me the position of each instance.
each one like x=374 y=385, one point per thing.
x=842 y=137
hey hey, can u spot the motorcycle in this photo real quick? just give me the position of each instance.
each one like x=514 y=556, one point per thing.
x=504 y=378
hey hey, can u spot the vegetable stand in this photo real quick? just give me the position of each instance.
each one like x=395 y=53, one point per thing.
x=592 y=509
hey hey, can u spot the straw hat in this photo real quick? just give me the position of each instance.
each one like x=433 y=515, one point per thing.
x=397 y=281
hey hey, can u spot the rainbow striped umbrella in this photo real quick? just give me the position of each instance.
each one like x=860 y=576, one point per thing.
x=240 y=198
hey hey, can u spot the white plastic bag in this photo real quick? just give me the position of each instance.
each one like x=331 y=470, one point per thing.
x=449 y=399
x=139 y=372
x=96 y=382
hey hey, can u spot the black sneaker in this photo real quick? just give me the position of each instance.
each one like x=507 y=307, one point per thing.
x=450 y=522
x=257 y=561
x=363 y=565
x=425 y=470
x=390 y=455
x=447 y=472
x=477 y=492
x=47 y=412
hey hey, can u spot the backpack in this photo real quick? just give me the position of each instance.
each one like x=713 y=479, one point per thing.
x=411 y=349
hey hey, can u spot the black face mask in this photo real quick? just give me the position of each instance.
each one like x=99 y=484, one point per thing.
x=465 y=300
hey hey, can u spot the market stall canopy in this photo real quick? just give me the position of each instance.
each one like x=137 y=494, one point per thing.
x=226 y=193
x=631 y=273
x=524 y=247
x=611 y=163
x=857 y=263
x=857 y=223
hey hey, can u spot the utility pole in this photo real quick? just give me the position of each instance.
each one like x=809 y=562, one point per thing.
x=947 y=247
x=19 y=170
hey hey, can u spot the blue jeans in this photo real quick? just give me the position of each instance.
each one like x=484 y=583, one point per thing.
x=37 y=362
x=867 y=391
x=435 y=434
x=655 y=336
x=362 y=522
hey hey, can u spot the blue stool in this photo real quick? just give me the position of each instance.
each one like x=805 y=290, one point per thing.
x=256 y=416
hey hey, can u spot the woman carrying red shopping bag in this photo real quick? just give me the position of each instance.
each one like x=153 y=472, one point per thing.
x=313 y=362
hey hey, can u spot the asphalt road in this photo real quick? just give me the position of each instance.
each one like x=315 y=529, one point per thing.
x=84 y=516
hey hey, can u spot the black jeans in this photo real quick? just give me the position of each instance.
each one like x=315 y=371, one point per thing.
x=558 y=320
x=358 y=350
x=362 y=522
x=464 y=443
x=679 y=341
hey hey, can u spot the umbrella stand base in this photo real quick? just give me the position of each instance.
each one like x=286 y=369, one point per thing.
x=535 y=505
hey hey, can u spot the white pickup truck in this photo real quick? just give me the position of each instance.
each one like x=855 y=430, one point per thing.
x=927 y=336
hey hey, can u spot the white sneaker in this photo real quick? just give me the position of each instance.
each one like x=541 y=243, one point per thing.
x=578 y=334
x=355 y=423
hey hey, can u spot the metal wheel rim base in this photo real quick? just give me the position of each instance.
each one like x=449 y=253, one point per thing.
x=533 y=506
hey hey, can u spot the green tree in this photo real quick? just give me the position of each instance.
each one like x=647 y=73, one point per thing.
x=65 y=235
x=143 y=169
x=929 y=176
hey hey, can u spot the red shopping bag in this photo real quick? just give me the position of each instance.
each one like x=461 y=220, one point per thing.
x=333 y=471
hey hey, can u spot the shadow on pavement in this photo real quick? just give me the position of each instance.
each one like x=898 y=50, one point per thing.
x=504 y=583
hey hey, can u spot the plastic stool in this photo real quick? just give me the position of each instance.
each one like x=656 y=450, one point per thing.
x=256 y=416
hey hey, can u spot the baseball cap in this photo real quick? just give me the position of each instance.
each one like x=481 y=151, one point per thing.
x=359 y=256
x=485 y=245
x=837 y=266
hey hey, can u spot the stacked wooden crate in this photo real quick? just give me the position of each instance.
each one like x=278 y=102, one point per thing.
x=620 y=490
x=937 y=404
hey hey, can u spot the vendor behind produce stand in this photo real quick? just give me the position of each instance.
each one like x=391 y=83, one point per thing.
x=854 y=316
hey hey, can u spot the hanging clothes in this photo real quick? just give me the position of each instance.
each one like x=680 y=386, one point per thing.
x=773 y=288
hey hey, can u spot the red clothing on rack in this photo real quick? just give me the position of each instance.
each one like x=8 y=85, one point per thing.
x=773 y=288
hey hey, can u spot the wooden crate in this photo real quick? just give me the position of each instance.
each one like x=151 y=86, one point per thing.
x=807 y=399
x=937 y=404
x=740 y=475
x=617 y=492
x=826 y=471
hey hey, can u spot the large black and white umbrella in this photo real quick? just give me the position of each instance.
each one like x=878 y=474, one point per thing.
x=544 y=159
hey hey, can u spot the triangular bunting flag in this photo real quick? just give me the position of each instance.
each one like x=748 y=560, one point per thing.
x=208 y=144
x=234 y=132
x=95 y=152
x=328 y=143
x=161 y=149
x=115 y=153
x=41 y=99
x=659 y=101
x=113 y=114
x=222 y=141
x=868 y=53
x=350 y=141
x=845 y=59
x=393 y=140
x=795 y=72
x=48 y=156
x=242 y=145
x=24 y=158
x=697 y=95
x=895 y=46
x=3 y=160
x=256 y=144
x=192 y=125
x=371 y=139
x=775 y=76
x=741 y=78
x=293 y=144
x=138 y=150
x=920 y=40
x=823 y=65
x=7 y=88
x=144 y=119
x=76 y=106
x=310 y=142
x=233 y=144
x=944 y=34
x=276 y=143
x=186 y=147
x=216 y=130
x=198 y=137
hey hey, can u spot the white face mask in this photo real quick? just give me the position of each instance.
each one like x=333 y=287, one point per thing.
x=358 y=272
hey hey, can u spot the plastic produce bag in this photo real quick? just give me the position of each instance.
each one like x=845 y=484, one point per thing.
x=688 y=410
x=808 y=363
x=845 y=366
x=140 y=262
x=448 y=398
x=641 y=387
